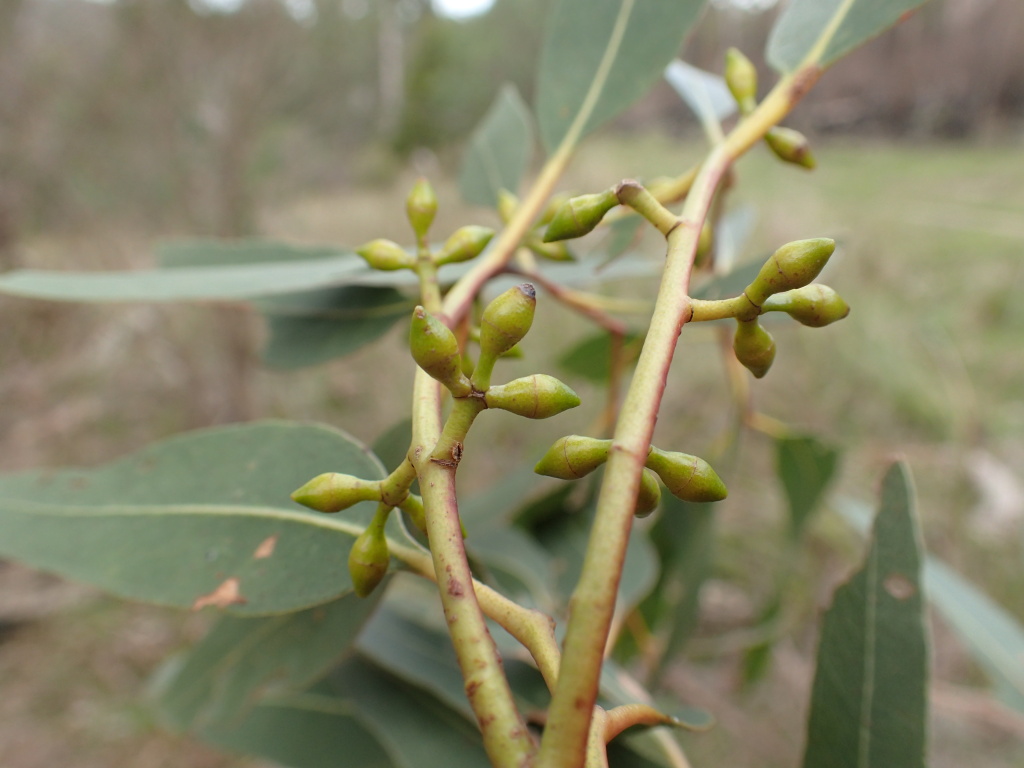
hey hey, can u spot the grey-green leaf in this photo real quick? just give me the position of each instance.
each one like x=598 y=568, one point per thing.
x=600 y=56
x=201 y=519
x=805 y=467
x=869 y=699
x=591 y=358
x=179 y=254
x=820 y=32
x=242 y=659
x=499 y=151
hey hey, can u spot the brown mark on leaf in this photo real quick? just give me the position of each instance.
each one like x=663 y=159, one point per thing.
x=226 y=594
x=899 y=586
x=266 y=547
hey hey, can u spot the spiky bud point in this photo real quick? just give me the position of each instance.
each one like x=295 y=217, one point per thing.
x=687 y=477
x=507 y=319
x=465 y=243
x=536 y=397
x=368 y=560
x=333 y=492
x=579 y=215
x=754 y=347
x=573 y=457
x=649 y=496
x=794 y=265
x=551 y=251
x=815 y=305
x=436 y=350
x=386 y=255
x=421 y=207
x=741 y=77
x=791 y=146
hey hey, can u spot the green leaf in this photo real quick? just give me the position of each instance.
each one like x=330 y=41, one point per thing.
x=600 y=56
x=705 y=93
x=228 y=253
x=623 y=233
x=203 y=518
x=730 y=284
x=242 y=659
x=591 y=358
x=869 y=699
x=317 y=326
x=805 y=467
x=820 y=32
x=499 y=150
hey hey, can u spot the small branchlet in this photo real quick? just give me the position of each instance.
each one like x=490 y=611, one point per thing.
x=573 y=457
x=754 y=347
x=649 y=496
x=741 y=77
x=436 y=350
x=814 y=305
x=536 y=397
x=421 y=207
x=465 y=243
x=579 y=215
x=333 y=492
x=687 y=477
x=794 y=265
x=791 y=146
x=386 y=255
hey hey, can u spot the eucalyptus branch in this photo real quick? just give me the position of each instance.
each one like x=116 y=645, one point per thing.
x=593 y=602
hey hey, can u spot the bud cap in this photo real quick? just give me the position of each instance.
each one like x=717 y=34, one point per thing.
x=536 y=397
x=573 y=457
x=791 y=146
x=794 y=265
x=421 y=207
x=741 y=77
x=579 y=215
x=436 y=350
x=507 y=319
x=689 y=478
x=649 y=496
x=754 y=347
x=814 y=305
x=386 y=255
x=465 y=243
x=333 y=492
x=368 y=560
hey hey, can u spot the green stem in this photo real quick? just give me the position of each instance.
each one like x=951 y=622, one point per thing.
x=739 y=307
x=592 y=605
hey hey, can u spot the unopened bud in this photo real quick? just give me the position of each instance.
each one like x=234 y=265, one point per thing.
x=791 y=146
x=754 y=347
x=552 y=207
x=815 y=305
x=436 y=350
x=465 y=243
x=507 y=204
x=689 y=478
x=741 y=77
x=649 y=496
x=412 y=505
x=368 y=560
x=794 y=265
x=507 y=319
x=386 y=255
x=421 y=207
x=333 y=492
x=536 y=397
x=551 y=251
x=704 y=244
x=573 y=457
x=579 y=215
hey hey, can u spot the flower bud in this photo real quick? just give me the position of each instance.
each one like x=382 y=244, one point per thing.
x=412 y=505
x=704 y=243
x=507 y=319
x=551 y=251
x=689 y=478
x=465 y=243
x=552 y=207
x=754 y=347
x=815 y=305
x=741 y=77
x=573 y=457
x=386 y=255
x=579 y=215
x=421 y=207
x=794 y=265
x=507 y=204
x=791 y=146
x=368 y=560
x=333 y=492
x=536 y=397
x=649 y=496
x=436 y=350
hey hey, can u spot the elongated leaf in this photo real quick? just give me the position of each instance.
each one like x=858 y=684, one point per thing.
x=591 y=358
x=242 y=659
x=823 y=31
x=228 y=253
x=200 y=519
x=869 y=700
x=705 y=93
x=317 y=326
x=499 y=151
x=600 y=56
x=805 y=467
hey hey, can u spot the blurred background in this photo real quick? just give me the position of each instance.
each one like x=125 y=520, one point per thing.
x=125 y=123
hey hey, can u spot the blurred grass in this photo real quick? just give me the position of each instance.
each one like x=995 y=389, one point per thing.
x=928 y=365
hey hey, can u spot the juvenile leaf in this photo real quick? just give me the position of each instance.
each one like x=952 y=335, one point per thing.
x=805 y=467
x=822 y=31
x=591 y=358
x=600 y=56
x=869 y=699
x=182 y=254
x=499 y=150
x=705 y=93
x=200 y=519
x=242 y=659
x=317 y=326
